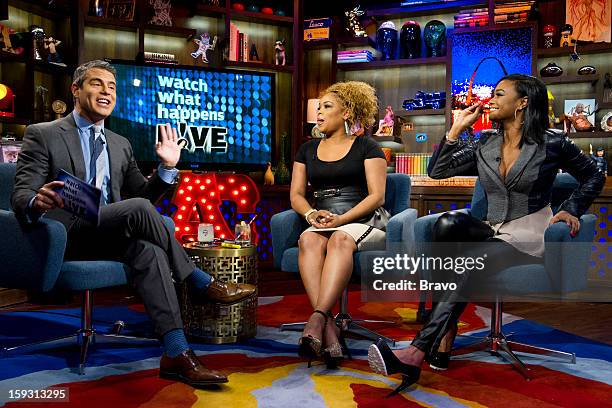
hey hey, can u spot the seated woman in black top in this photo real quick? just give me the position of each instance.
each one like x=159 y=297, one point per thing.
x=347 y=174
x=516 y=165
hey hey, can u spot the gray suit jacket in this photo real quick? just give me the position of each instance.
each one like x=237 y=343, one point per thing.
x=51 y=146
x=527 y=187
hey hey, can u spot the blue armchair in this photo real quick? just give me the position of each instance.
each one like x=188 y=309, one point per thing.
x=288 y=225
x=564 y=269
x=33 y=258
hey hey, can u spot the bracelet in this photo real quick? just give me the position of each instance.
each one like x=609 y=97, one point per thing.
x=307 y=213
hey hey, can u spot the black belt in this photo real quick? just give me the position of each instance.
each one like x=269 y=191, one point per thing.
x=338 y=200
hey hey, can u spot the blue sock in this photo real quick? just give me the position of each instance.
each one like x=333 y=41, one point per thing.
x=175 y=342
x=199 y=279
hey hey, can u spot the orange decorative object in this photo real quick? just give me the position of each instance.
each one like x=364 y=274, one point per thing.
x=7 y=101
x=208 y=191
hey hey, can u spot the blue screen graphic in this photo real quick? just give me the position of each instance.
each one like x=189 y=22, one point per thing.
x=221 y=116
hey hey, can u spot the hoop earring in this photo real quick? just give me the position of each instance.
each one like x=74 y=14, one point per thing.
x=347 y=129
x=515 y=111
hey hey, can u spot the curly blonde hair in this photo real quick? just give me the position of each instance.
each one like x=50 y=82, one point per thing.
x=358 y=98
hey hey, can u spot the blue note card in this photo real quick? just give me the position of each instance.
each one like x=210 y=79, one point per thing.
x=80 y=198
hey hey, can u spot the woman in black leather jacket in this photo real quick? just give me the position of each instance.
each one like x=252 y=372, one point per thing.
x=516 y=165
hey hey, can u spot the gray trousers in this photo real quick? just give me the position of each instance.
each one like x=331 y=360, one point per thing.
x=133 y=232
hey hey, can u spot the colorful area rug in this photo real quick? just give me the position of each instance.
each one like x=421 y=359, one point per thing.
x=266 y=372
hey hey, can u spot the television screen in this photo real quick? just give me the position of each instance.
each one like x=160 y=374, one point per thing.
x=480 y=58
x=222 y=116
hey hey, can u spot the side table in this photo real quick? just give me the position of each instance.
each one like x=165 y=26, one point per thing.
x=214 y=322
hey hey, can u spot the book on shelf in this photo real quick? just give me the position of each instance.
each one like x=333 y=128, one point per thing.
x=462 y=16
x=353 y=61
x=479 y=23
x=474 y=10
x=510 y=18
x=412 y=163
x=354 y=56
x=233 y=43
x=467 y=20
x=513 y=9
x=238 y=45
x=406 y=3
x=457 y=181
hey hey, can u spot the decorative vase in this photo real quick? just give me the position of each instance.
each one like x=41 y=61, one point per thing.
x=282 y=175
x=238 y=6
x=386 y=40
x=253 y=8
x=269 y=176
x=435 y=38
x=587 y=70
x=551 y=70
x=410 y=40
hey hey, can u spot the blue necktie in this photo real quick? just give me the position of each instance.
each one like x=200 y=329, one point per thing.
x=96 y=146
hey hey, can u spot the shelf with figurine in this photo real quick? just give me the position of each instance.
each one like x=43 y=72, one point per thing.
x=52 y=68
x=260 y=65
x=571 y=79
x=589 y=48
x=424 y=112
x=358 y=66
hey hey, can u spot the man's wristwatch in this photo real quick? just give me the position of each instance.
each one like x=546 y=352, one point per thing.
x=163 y=166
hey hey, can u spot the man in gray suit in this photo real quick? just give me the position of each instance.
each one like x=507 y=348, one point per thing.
x=130 y=229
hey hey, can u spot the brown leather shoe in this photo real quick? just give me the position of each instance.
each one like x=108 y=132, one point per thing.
x=188 y=369
x=227 y=292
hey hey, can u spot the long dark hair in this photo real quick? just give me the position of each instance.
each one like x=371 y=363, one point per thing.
x=536 y=114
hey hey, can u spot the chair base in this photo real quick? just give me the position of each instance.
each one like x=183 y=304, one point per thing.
x=348 y=326
x=85 y=336
x=497 y=343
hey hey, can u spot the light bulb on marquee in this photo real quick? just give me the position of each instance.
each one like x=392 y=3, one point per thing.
x=243 y=194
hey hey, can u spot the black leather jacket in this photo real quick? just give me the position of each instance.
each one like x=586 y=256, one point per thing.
x=527 y=187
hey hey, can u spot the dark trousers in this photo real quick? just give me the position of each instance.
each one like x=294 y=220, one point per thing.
x=133 y=232
x=459 y=227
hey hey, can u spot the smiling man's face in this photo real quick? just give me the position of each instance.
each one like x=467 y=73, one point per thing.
x=95 y=99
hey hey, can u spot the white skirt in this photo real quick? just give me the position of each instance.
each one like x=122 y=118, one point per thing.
x=364 y=236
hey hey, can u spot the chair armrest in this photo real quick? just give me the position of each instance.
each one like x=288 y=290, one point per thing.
x=286 y=228
x=32 y=256
x=400 y=232
x=566 y=258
